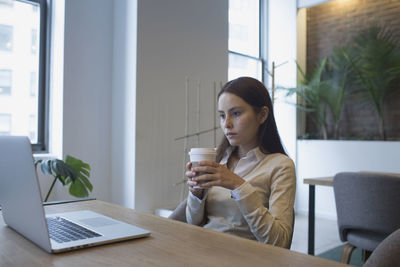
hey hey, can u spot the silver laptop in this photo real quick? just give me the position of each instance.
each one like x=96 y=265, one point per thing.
x=22 y=207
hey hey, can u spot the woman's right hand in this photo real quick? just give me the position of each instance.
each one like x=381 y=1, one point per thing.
x=190 y=174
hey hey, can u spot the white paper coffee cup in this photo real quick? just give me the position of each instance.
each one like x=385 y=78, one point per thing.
x=200 y=154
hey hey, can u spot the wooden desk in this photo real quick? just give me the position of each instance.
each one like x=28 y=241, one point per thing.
x=324 y=181
x=171 y=243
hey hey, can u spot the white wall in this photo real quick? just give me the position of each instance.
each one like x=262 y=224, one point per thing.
x=176 y=39
x=126 y=62
x=124 y=103
x=319 y=158
x=282 y=48
x=87 y=88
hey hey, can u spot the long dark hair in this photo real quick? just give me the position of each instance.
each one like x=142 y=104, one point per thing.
x=254 y=93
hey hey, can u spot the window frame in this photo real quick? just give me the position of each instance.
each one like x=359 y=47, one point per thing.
x=262 y=28
x=42 y=145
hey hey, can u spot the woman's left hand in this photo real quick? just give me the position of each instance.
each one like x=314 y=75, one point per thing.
x=216 y=175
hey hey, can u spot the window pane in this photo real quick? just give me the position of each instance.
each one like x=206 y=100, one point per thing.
x=6 y=36
x=244 y=66
x=32 y=127
x=34 y=41
x=5 y=82
x=244 y=27
x=5 y=124
x=33 y=84
x=19 y=67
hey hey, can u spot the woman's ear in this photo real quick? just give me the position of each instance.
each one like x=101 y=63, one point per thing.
x=263 y=114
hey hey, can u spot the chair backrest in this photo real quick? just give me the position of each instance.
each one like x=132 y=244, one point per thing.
x=367 y=201
x=387 y=253
x=179 y=214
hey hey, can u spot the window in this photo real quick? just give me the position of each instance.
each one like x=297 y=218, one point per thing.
x=33 y=84
x=6 y=36
x=34 y=39
x=24 y=34
x=5 y=124
x=245 y=39
x=5 y=82
x=32 y=127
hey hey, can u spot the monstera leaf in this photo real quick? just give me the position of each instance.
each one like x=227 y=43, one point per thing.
x=80 y=185
x=73 y=172
x=57 y=168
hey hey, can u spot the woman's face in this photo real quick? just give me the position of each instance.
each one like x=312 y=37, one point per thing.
x=239 y=121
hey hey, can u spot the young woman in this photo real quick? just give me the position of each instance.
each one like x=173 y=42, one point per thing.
x=251 y=191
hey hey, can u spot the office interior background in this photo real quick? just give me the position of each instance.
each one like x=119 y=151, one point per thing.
x=119 y=76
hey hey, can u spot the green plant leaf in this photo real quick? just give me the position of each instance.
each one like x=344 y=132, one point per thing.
x=87 y=183
x=310 y=93
x=80 y=186
x=46 y=167
x=72 y=171
x=78 y=189
x=375 y=59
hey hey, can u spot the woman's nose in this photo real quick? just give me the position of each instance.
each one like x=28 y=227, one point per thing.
x=228 y=122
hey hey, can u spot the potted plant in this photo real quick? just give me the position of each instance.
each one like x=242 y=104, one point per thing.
x=339 y=75
x=368 y=70
x=375 y=58
x=70 y=172
x=311 y=89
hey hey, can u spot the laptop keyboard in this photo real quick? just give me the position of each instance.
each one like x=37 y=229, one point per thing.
x=62 y=230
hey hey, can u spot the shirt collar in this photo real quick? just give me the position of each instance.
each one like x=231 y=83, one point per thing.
x=255 y=152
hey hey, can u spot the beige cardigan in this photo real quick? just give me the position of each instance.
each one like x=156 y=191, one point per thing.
x=263 y=206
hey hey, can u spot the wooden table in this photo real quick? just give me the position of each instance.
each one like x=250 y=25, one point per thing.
x=171 y=243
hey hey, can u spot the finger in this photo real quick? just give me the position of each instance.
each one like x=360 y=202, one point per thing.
x=204 y=186
x=190 y=174
x=204 y=178
x=209 y=169
x=191 y=183
x=209 y=184
x=188 y=165
x=208 y=163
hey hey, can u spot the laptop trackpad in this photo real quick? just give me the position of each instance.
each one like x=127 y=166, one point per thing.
x=98 y=222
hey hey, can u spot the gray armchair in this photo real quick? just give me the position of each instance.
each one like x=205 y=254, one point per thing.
x=368 y=209
x=179 y=214
x=387 y=253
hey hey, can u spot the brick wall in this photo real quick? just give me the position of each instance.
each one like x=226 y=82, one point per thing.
x=334 y=24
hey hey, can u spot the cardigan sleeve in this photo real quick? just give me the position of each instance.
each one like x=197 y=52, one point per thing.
x=273 y=224
x=195 y=209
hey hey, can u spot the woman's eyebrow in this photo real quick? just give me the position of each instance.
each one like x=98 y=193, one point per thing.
x=232 y=108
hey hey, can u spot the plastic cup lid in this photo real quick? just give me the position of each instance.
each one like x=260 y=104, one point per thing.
x=202 y=151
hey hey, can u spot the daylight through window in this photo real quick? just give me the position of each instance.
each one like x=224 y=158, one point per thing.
x=23 y=70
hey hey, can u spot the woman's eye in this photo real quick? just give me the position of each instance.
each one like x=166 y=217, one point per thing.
x=221 y=116
x=236 y=113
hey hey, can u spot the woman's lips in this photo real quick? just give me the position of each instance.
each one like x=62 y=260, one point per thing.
x=230 y=135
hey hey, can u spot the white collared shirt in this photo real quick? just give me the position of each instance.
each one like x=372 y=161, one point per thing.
x=244 y=166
